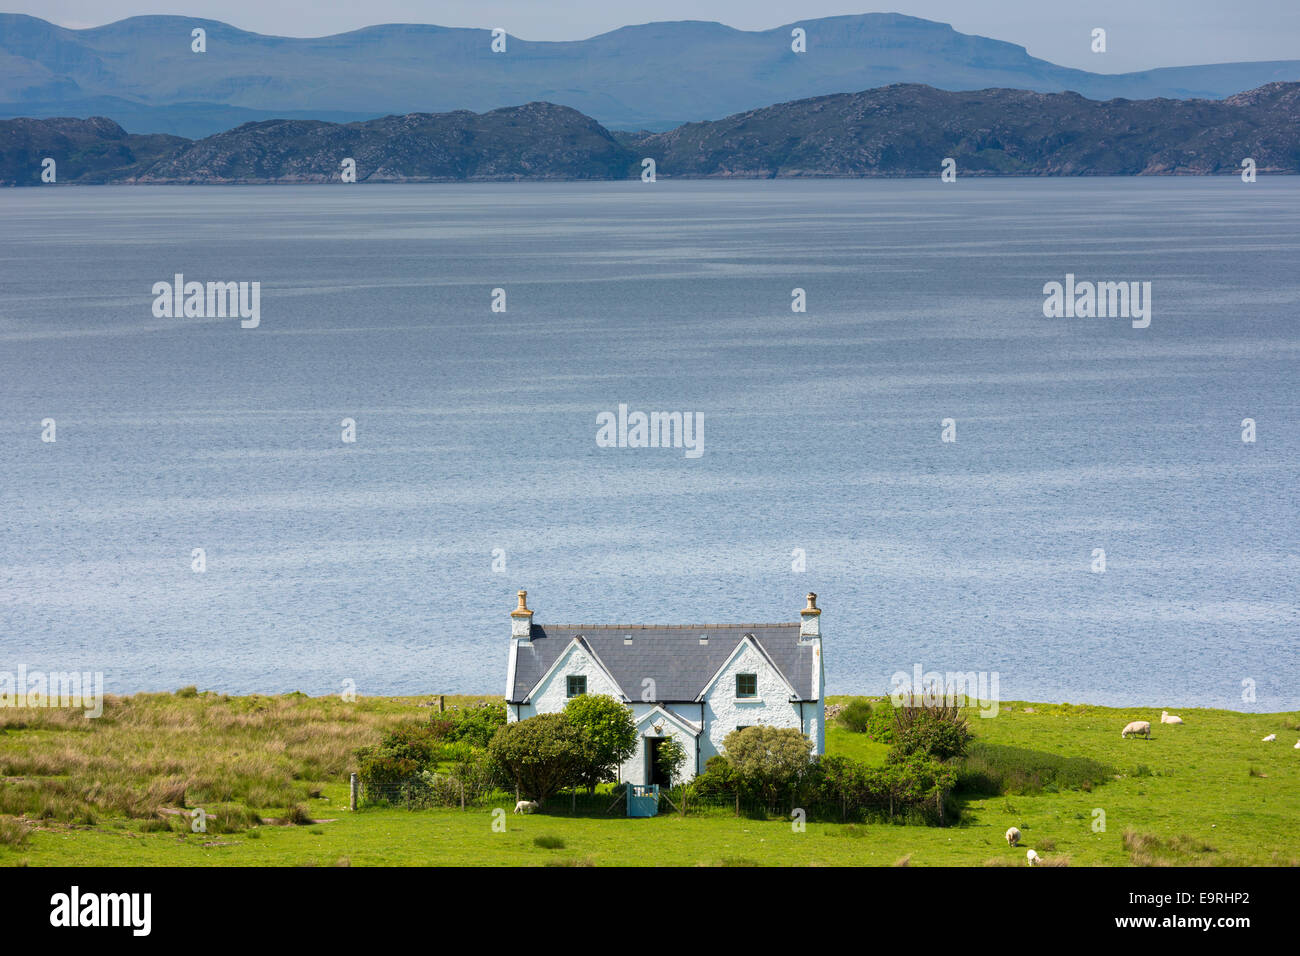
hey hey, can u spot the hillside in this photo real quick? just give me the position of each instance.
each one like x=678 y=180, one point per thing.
x=141 y=71
x=119 y=790
x=894 y=131
x=907 y=130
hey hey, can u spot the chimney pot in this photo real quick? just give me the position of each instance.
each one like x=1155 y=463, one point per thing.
x=810 y=618
x=521 y=618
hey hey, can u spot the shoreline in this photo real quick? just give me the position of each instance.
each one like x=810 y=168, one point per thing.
x=430 y=700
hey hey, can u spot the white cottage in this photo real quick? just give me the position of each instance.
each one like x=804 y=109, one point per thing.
x=695 y=683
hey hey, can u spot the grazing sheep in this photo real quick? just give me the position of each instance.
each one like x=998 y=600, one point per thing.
x=1270 y=738
x=1297 y=745
x=1033 y=858
x=525 y=806
x=1013 y=836
x=1168 y=718
x=1140 y=728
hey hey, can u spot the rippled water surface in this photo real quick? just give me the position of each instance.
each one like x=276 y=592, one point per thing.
x=476 y=430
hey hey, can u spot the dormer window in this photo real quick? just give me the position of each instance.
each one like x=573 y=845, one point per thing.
x=577 y=685
x=746 y=685
x=704 y=639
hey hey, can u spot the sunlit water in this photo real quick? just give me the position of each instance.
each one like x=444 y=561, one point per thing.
x=373 y=561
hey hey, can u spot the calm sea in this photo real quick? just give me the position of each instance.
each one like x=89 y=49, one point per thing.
x=373 y=561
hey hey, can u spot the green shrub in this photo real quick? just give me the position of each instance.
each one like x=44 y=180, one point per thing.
x=608 y=735
x=718 y=778
x=768 y=761
x=403 y=753
x=540 y=755
x=856 y=716
x=880 y=725
x=937 y=730
x=427 y=789
x=477 y=725
x=671 y=757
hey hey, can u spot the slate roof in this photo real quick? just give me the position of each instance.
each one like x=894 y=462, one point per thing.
x=672 y=655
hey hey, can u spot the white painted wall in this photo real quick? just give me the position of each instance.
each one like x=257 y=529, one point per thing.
x=724 y=712
x=553 y=694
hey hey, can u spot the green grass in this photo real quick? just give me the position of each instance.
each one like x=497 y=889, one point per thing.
x=271 y=774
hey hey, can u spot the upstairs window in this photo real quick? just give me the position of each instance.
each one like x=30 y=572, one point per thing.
x=746 y=685
x=577 y=685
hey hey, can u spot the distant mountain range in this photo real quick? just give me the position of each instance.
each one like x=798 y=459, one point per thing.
x=903 y=130
x=141 y=71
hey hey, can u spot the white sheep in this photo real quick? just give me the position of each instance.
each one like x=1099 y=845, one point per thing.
x=1013 y=836
x=1033 y=858
x=525 y=806
x=1137 y=728
x=1270 y=738
x=1297 y=745
x=1168 y=718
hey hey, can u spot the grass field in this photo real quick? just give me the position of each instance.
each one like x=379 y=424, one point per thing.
x=109 y=792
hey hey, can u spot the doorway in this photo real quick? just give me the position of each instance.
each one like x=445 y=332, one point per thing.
x=653 y=773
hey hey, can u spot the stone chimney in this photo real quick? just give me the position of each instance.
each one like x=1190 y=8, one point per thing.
x=810 y=619
x=521 y=619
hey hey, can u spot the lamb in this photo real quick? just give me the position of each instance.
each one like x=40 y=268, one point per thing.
x=1137 y=728
x=1013 y=836
x=526 y=806
x=1270 y=738
x=1033 y=858
x=1168 y=718
x=1297 y=745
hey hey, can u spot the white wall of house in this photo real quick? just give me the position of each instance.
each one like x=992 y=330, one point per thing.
x=725 y=712
x=553 y=694
x=722 y=711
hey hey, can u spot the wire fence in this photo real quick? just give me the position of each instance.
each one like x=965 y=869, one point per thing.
x=432 y=791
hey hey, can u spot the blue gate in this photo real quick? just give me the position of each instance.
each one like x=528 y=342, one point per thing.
x=642 y=800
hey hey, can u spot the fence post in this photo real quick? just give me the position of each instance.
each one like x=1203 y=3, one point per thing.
x=462 y=794
x=352 y=796
x=441 y=703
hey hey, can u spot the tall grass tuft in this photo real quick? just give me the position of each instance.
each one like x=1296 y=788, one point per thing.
x=995 y=769
x=13 y=832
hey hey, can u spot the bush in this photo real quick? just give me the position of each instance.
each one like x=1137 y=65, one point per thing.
x=671 y=757
x=936 y=730
x=540 y=755
x=477 y=725
x=608 y=735
x=914 y=789
x=915 y=782
x=717 y=780
x=401 y=754
x=880 y=725
x=428 y=789
x=768 y=761
x=856 y=716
